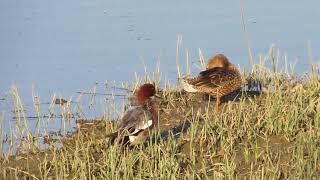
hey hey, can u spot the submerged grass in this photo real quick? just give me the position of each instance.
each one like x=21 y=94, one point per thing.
x=272 y=136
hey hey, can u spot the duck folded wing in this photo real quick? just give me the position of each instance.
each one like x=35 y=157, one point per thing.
x=214 y=78
x=134 y=121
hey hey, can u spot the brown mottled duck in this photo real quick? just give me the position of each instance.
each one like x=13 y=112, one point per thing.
x=219 y=79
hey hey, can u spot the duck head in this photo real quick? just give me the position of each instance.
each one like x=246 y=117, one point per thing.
x=145 y=92
x=218 y=60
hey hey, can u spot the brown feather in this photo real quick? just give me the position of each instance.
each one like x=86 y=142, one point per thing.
x=217 y=81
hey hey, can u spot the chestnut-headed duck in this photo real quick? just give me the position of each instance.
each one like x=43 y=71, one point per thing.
x=219 y=79
x=137 y=123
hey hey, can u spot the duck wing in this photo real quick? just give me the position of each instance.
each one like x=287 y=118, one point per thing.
x=214 y=78
x=135 y=120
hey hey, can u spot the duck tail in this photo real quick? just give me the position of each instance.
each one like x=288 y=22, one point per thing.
x=113 y=136
x=187 y=86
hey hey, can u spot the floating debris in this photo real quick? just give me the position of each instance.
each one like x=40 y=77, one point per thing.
x=20 y=110
x=60 y=101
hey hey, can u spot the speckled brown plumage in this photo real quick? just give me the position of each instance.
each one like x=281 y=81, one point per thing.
x=221 y=78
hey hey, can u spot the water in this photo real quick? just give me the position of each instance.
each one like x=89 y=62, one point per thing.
x=67 y=46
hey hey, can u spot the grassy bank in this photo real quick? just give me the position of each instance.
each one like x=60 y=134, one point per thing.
x=271 y=136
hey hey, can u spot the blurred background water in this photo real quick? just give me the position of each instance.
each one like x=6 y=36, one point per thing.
x=63 y=47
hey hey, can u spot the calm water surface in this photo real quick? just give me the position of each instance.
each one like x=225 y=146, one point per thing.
x=67 y=46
